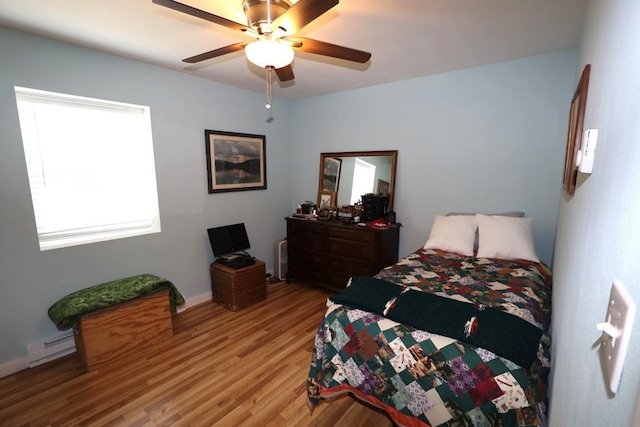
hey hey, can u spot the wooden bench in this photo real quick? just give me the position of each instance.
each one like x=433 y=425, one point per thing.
x=129 y=328
x=118 y=319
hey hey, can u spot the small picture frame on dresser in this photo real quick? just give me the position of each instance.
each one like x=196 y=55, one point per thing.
x=326 y=199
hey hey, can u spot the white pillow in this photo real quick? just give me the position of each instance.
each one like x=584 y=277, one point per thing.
x=519 y=214
x=453 y=234
x=505 y=237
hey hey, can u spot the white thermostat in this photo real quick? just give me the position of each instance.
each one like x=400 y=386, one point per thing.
x=587 y=150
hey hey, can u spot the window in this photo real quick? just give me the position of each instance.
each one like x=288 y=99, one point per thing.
x=91 y=168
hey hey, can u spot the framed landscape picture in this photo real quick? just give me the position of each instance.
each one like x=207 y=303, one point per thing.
x=235 y=161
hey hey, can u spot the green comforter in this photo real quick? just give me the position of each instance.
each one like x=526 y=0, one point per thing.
x=500 y=332
x=66 y=311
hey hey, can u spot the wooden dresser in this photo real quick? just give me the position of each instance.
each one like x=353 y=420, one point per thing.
x=327 y=253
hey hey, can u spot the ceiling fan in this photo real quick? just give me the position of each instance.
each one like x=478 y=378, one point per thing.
x=272 y=23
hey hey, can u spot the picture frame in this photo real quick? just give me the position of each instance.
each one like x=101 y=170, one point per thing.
x=574 y=132
x=326 y=199
x=383 y=187
x=235 y=161
x=331 y=174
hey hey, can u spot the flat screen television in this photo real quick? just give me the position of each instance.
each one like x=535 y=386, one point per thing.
x=228 y=239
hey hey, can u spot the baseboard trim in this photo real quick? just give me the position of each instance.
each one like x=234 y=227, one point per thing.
x=199 y=299
x=13 y=366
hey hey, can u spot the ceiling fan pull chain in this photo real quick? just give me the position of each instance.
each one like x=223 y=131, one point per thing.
x=269 y=15
x=269 y=70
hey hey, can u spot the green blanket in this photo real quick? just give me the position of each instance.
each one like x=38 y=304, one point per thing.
x=497 y=331
x=66 y=312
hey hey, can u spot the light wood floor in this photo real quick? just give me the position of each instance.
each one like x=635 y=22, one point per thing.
x=221 y=368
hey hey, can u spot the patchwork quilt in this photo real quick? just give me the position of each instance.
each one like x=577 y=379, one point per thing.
x=474 y=351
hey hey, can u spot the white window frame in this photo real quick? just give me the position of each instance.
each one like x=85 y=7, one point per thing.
x=91 y=168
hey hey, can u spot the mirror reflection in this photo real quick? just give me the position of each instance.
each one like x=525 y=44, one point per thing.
x=352 y=174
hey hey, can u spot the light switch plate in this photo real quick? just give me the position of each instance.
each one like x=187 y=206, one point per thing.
x=617 y=331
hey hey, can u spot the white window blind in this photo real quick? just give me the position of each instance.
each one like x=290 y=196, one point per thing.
x=91 y=168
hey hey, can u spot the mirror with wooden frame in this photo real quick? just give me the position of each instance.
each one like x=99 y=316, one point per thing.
x=346 y=176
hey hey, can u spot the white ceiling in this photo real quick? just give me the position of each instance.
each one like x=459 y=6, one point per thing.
x=407 y=38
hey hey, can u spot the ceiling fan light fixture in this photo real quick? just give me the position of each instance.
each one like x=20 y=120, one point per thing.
x=269 y=52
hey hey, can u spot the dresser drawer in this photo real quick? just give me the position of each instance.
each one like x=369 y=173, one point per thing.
x=351 y=266
x=308 y=273
x=353 y=234
x=311 y=259
x=306 y=242
x=304 y=226
x=351 y=249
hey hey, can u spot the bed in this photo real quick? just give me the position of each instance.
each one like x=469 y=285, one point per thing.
x=454 y=334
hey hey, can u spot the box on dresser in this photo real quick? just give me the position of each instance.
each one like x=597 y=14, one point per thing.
x=328 y=253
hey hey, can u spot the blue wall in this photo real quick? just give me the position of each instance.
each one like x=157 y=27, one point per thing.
x=182 y=107
x=599 y=228
x=485 y=139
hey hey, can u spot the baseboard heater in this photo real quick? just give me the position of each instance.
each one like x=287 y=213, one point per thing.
x=50 y=348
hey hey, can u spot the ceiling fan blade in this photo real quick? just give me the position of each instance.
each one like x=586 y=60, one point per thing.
x=332 y=50
x=215 y=53
x=181 y=7
x=285 y=73
x=302 y=13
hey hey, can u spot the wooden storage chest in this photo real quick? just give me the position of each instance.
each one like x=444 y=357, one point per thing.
x=236 y=289
x=129 y=328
